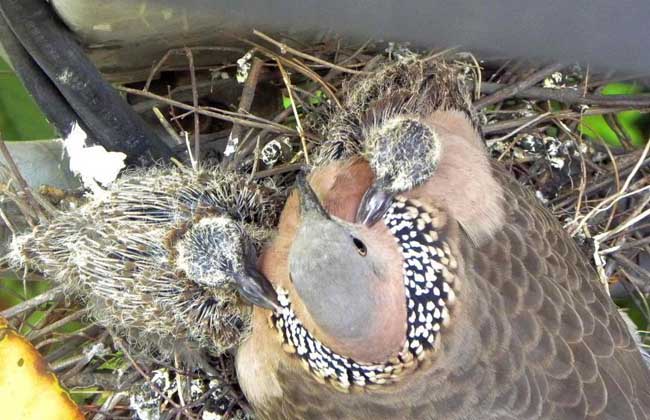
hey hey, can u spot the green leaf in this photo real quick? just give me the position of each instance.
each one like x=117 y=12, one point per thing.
x=20 y=117
x=286 y=102
x=634 y=312
x=634 y=124
x=114 y=362
x=317 y=98
x=86 y=395
x=10 y=287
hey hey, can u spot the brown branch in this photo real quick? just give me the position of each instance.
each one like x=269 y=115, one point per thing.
x=245 y=103
x=167 y=126
x=356 y=53
x=565 y=114
x=643 y=275
x=625 y=169
x=287 y=82
x=515 y=88
x=195 y=102
x=247 y=146
x=37 y=333
x=156 y=68
x=221 y=114
x=118 y=342
x=573 y=97
x=182 y=93
x=32 y=303
x=299 y=67
x=83 y=362
x=279 y=170
x=22 y=184
x=628 y=245
x=284 y=48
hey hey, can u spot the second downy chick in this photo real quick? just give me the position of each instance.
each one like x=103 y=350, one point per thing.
x=392 y=119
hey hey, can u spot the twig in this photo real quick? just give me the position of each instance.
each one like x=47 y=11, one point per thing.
x=167 y=126
x=573 y=97
x=145 y=376
x=287 y=82
x=109 y=404
x=608 y=202
x=245 y=103
x=24 y=187
x=279 y=170
x=156 y=68
x=63 y=363
x=32 y=303
x=256 y=158
x=515 y=88
x=189 y=151
x=639 y=299
x=7 y=223
x=22 y=205
x=299 y=67
x=355 y=53
x=617 y=179
x=179 y=386
x=583 y=181
x=35 y=334
x=564 y=114
x=585 y=85
x=624 y=169
x=284 y=48
x=195 y=102
x=625 y=246
x=517 y=130
x=165 y=57
x=182 y=93
x=620 y=228
x=222 y=114
x=58 y=339
x=39 y=323
x=89 y=354
x=645 y=274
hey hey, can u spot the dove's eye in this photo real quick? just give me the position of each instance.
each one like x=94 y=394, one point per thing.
x=361 y=247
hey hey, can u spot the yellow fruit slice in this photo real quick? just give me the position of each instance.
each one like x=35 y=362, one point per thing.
x=28 y=389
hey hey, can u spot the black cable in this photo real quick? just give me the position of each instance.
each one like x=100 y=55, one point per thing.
x=49 y=99
x=110 y=120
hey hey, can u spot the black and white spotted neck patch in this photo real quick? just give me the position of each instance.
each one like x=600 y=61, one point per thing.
x=429 y=274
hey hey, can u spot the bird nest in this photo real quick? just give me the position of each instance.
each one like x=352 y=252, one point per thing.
x=554 y=127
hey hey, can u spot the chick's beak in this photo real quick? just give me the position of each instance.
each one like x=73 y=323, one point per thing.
x=255 y=288
x=373 y=206
x=309 y=203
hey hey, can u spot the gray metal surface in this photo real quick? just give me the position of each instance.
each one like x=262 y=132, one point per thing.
x=42 y=162
x=125 y=35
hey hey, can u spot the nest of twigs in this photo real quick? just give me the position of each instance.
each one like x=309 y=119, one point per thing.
x=532 y=118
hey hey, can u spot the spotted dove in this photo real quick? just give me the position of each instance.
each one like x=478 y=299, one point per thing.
x=451 y=296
